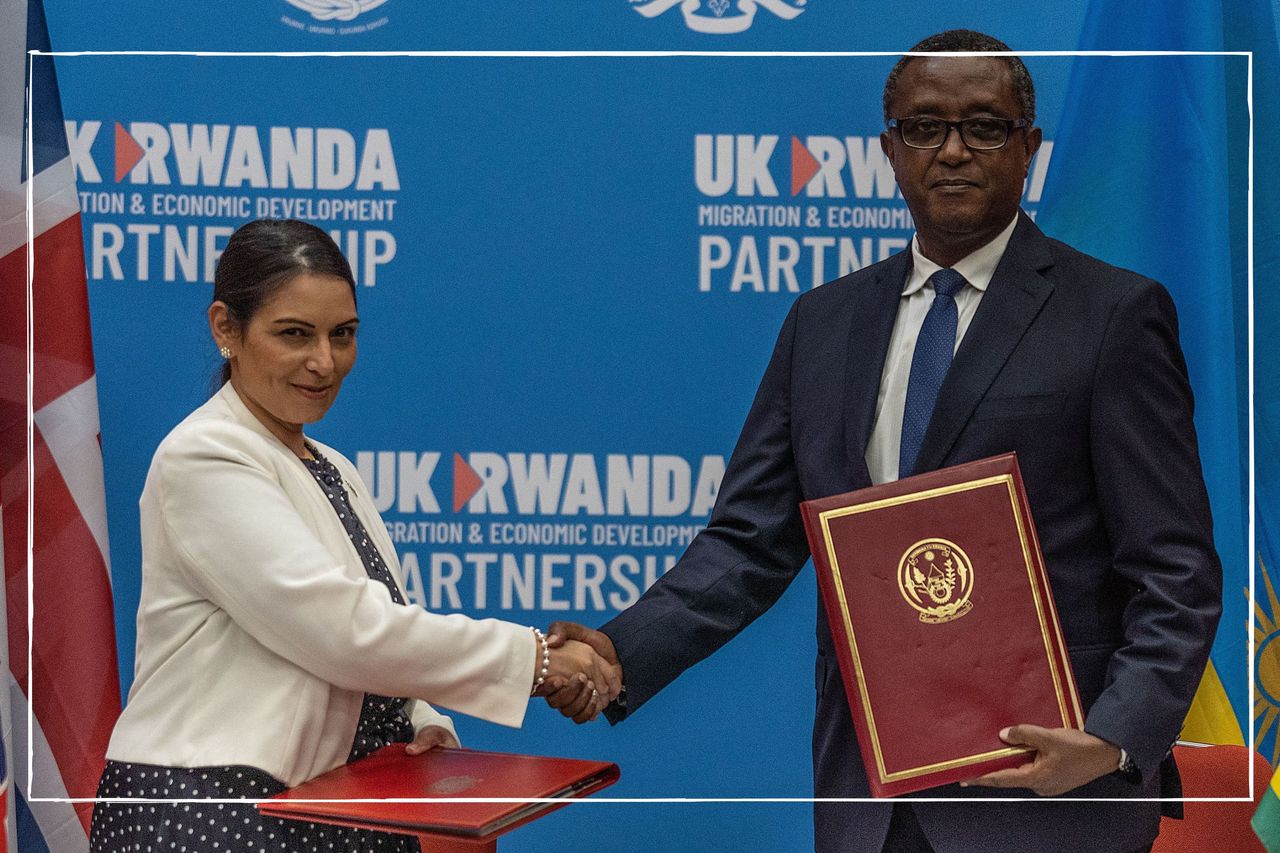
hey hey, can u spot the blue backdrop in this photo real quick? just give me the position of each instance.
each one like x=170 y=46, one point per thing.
x=572 y=270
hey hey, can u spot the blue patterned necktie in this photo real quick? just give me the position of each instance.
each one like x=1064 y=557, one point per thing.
x=929 y=364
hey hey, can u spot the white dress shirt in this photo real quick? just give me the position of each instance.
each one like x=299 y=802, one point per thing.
x=917 y=295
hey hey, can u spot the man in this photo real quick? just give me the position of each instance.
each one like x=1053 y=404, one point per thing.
x=985 y=337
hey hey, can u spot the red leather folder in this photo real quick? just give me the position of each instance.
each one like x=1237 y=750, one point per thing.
x=943 y=622
x=373 y=793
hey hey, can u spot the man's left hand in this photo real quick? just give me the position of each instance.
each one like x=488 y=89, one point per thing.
x=1064 y=760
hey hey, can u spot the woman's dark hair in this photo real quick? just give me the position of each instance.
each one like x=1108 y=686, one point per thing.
x=264 y=254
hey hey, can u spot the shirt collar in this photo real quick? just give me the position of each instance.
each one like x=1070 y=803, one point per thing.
x=977 y=267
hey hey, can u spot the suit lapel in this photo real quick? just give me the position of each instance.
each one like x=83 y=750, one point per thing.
x=871 y=324
x=1015 y=296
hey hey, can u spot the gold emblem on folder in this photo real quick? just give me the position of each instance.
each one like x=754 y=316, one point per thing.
x=936 y=578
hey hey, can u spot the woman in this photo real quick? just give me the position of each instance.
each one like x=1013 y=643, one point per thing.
x=274 y=642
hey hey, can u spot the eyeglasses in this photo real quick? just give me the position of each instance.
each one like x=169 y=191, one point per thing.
x=981 y=133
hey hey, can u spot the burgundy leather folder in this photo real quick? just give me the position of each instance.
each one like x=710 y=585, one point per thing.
x=943 y=622
x=374 y=793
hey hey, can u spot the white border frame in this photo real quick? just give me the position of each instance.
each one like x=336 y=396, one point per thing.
x=633 y=54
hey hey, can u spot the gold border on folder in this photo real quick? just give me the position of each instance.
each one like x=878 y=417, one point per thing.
x=1067 y=699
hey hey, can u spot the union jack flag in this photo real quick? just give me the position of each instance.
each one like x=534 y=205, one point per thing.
x=63 y=684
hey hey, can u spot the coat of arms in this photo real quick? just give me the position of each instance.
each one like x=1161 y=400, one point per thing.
x=936 y=578
x=717 y=16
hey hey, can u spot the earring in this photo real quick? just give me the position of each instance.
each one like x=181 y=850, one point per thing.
x=225 y=352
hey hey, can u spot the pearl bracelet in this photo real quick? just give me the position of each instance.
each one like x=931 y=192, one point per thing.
x=546 y=660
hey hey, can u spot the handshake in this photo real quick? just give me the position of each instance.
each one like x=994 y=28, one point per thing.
x=582 y=671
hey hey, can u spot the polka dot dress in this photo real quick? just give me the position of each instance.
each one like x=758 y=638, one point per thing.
x=158 y=827
x=383 y=720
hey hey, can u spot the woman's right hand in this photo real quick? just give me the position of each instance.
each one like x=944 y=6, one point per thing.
x=576 y=663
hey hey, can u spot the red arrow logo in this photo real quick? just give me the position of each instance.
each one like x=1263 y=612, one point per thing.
x=803 y=166
x=466 y=482
x=128 y=152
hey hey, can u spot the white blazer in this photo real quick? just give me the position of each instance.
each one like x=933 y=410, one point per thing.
x=258 y=629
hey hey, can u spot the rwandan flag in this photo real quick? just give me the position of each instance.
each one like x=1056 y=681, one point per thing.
x=1266 y=822
x=1261 y=36
x=1148 y=174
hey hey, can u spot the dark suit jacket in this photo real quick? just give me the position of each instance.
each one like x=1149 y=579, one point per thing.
x=1075 y=365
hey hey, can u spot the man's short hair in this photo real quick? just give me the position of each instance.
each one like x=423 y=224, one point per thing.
x=968 y=40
